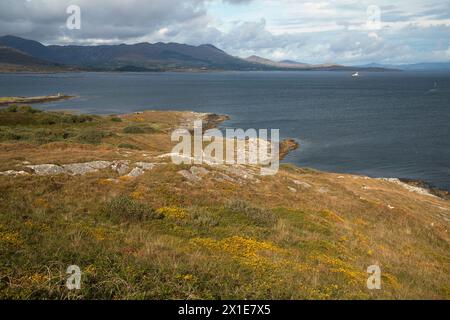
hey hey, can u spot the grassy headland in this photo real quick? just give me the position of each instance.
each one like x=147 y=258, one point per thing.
x=30 y=100
x=199 y=232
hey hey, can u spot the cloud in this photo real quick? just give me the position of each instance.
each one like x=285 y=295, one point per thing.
x=309 y=31
x=238 y=1
x=111 y=20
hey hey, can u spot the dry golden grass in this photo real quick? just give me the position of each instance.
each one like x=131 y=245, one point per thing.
x=317 y=242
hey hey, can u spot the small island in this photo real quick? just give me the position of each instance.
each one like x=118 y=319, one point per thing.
x=4 y=101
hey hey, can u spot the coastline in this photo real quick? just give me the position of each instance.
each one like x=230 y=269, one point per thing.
x=111 y=179
x=5 y=101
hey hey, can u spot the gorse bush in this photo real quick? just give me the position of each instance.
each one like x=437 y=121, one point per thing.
x=257 y=215
x=139 y=129
x=126 y=209
x=133 y=130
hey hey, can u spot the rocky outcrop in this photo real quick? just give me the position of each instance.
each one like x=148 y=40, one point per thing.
x=302 y=184
x=47 y=169
x=194 y=174
x=83 y=168
x=408 y=187
x=286 y=146
x=122 y=167
x=209 y=120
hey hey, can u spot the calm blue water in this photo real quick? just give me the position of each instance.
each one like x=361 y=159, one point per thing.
x=381 y=124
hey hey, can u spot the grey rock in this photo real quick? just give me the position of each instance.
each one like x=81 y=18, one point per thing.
x=100 y=164
x=47 y=169
x=86 y=167
x=136 y=172
x=145 y=165
x=13 y=173
x=240 y=172
x=120 y=166
x=199 y=171
x=302 y=184
x=189 y=176
x=223 y=177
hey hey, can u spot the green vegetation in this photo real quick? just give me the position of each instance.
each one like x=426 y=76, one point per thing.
x=256 y=215
x=126 y=209
x=139 y=129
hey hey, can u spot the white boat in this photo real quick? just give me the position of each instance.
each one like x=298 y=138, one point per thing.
x=356 y=74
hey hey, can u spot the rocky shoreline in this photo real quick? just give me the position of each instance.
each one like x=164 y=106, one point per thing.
x=441 y=193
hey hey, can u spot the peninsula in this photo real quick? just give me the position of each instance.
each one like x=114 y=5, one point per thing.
x=101 y=192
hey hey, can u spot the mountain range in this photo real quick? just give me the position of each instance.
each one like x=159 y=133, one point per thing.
x=18 y=54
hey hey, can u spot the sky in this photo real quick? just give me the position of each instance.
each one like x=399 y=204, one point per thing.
x=321 y=31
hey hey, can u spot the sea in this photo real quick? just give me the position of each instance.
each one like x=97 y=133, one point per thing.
x=380 y=124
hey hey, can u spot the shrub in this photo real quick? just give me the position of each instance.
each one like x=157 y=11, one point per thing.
x=29 y=109
x=73 y=118
x=139 y=129
x=12 y=108
x=116 y=119
x=49 y=119
x=262 y=217
x=133 y=129
x=203 y=217
x=46 y=135
x=126 y=209
x=92 y=136
x=128 y=146
x=7 y=134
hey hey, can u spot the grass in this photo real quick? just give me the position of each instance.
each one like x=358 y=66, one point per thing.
x=126 y=209
x=158 y=237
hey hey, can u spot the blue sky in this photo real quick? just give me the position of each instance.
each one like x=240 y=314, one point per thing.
x=337 y=31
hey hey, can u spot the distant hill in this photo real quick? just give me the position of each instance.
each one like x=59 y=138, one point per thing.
x=438 y=66
x=294 y=65
x=426 y=66
x=145 y=57
x=12 y=60
x=281 y=64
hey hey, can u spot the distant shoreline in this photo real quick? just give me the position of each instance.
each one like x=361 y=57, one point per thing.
x=5 y=101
